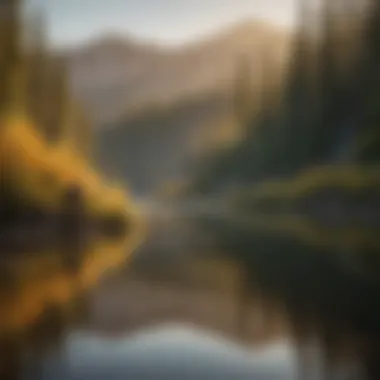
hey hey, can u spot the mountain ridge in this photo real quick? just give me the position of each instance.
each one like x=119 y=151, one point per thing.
x=112 y=73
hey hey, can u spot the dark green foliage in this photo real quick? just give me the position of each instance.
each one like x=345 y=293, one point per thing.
x=321 y=293
x=329 y=114
x=330 y=101
x=243 y=94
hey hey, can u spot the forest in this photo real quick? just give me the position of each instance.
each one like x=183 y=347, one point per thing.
x=323 y=120
x=307 y=170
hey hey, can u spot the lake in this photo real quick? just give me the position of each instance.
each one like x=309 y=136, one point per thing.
x=209 y=298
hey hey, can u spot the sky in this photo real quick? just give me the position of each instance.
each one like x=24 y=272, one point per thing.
x=168 y=22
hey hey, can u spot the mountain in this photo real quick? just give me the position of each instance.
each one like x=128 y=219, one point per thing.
x=114 y=74
x=159 y=110
x=160 y=143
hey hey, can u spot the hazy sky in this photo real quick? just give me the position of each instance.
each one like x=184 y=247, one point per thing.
x=168 y=21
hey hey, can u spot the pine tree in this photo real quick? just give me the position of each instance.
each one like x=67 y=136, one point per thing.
x=37 y=73
x=327 y=95
x=69 y=124
x=12 y=60
x=67 y=110
x=299 y=94
x=83 y=134
x=368 y=88
x=243 y=94
x=59 y=105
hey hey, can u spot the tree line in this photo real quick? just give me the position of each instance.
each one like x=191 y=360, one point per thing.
x=326 y=112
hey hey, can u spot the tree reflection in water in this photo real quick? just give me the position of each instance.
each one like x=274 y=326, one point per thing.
x=44 y=295
x=328 y=303
x=280 y=282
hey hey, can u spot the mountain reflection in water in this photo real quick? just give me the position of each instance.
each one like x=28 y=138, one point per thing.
x=168 y=353
x=201 y=299
x=43 y=293
x=326 y=288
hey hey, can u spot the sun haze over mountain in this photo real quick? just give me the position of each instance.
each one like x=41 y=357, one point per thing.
x=171 y=22
x=114 y=74
x=162 y=73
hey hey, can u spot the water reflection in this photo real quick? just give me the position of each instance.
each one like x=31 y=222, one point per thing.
x=329 y=301
x=43 y=292
x=205 y=298
x=167 y=353
x=157 y=318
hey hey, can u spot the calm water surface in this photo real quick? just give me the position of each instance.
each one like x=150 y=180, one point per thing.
x=187 y=307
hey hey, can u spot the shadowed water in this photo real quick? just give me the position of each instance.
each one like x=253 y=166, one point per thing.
x=200 y=299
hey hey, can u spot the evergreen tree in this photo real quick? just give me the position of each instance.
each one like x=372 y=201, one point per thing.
x=369 y=88
x=299 y=93
x=38 y=68
x=243 y=94
x=59 y=107
x=83 y=134
x=69 y=124
x=12 y=64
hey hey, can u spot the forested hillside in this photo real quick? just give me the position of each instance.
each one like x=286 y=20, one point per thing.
x=188 y=108
x=328 y=114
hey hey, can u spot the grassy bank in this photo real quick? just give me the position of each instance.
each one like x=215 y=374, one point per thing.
x=350 y=183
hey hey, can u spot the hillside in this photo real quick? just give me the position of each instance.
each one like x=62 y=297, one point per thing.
x=164 y=109
x=115 y=74
x=159 y=144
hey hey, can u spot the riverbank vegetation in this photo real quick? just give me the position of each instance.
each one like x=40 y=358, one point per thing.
x=355 y=185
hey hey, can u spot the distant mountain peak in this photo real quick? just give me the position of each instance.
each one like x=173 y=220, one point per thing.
x=110 y=41
x=114 y=72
